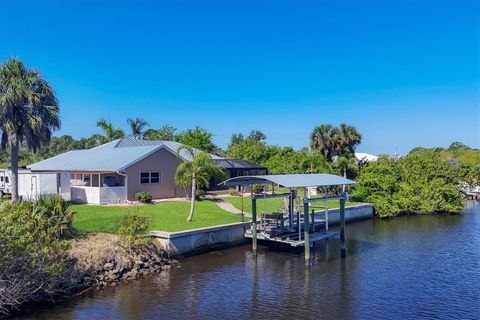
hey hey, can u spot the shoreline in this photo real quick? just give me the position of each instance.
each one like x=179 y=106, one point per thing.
x=92 y=269
x=144 y=259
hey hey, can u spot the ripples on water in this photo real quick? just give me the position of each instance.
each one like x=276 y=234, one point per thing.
x=424 y=267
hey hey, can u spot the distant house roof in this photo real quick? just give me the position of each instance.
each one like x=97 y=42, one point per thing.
x=291 y=180
x=237 y=164
x=113 y=156
x=367 y=157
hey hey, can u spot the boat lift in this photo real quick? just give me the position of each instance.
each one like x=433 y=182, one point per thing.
x=294 y=227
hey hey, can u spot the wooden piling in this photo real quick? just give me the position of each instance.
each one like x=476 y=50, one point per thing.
x=254 y=225
x=291 y=208
x=342 y=226
x=306 y=228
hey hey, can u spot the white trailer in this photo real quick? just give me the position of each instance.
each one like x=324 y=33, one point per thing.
x=32 y=185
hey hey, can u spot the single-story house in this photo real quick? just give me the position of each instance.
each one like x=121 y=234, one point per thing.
x=114 y=172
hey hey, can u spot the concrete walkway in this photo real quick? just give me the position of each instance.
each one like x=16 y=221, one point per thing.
x=227 y=206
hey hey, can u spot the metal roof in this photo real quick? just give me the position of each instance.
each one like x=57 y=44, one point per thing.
x=113 y=156
x=237 y=164
x=172 y=145
x=291 y=180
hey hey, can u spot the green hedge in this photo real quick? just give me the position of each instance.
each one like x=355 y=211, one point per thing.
x=418 y=183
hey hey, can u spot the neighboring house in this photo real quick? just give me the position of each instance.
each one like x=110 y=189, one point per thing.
x=114 y=172
x=362 y=157
x=365 y=157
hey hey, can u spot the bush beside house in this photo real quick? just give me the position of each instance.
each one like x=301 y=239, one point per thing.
x=143 y=197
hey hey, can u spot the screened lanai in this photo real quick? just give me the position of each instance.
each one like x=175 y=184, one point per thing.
x=98 y=187
x=298 y=225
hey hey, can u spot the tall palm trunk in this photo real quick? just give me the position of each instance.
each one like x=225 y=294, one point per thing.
x=192 y=201
x=14 y=167
x=345 y=176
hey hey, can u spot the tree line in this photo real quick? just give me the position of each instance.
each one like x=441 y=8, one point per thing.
x=29 y=114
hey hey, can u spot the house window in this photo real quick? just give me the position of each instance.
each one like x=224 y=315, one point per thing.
x=149 y=177
x=154 y=177
x=7 y=180
x=144 y=177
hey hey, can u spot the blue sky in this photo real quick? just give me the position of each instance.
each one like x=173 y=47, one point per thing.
x=406 y=73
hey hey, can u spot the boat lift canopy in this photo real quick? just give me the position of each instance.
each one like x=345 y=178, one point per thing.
x=293 y=182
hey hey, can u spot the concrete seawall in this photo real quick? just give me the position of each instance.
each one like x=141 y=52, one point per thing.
x=352 y=214
x=203 y=239
x=206 y=239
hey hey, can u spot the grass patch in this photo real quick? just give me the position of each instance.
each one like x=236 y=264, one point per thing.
x=164 y=216
x=275 y=204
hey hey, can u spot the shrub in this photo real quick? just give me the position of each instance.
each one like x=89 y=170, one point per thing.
x=143 y=197
x=132 y=225
x=200 y=194
x=34 y=261
x=258 y=188
x=233 y=192
x=56 y=212
x=419 y=183
x=471 y=175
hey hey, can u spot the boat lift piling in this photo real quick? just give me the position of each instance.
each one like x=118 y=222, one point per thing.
x=306 y=206
x=342 y=224
x=254 y=225
x=306 y=227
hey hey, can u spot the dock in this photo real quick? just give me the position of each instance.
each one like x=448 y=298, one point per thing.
x=288 y=235
x=200 y=240
x=299 y=225
x=293 y=239
x=472 y=195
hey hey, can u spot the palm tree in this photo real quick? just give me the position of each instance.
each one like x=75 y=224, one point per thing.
x=348 y=139
x=195 y=173
x=110 y=132
x=29 y=112
x=323 y=138
x=137 y=126
x=345 y=162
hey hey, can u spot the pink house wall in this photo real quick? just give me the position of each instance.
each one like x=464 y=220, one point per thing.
x=162 y=161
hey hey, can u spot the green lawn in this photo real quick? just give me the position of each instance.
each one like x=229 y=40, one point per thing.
x=274 y=204
x=164 y=216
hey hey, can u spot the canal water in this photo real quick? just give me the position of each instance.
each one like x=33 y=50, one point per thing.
x=418 y=267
